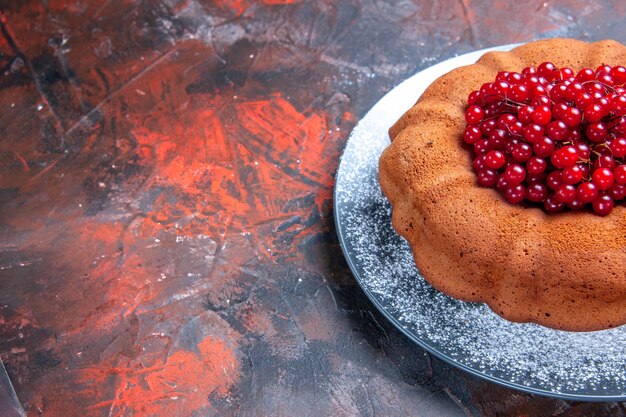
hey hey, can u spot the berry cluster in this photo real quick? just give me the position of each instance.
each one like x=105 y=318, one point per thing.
x=550 y=137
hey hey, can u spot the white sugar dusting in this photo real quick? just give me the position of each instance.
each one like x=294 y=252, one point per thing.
x=586 y=365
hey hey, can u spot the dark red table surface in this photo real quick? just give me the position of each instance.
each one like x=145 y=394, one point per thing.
x=167 y=245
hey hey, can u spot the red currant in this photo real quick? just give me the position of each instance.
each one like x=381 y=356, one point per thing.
x=619 y=174
x=542 y=115
x=536 y=165
x=617 y=192
x=550 y=136
x=572 y=174
x=603 y=204
x=564 y=157
x=602 y=178
x=544 y=147
x=618 y=73
x=487 y=177
x=587 y=192
x=537 y=192
x=515 y=194
x=514 y=174
x=618 y=147
x=552 y=205
x=566 y=193
x=548 y=71
x=495 y=160
x=554 y=181
x=557 y=130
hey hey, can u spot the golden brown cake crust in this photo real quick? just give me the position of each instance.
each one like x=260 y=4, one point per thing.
x=565 y=271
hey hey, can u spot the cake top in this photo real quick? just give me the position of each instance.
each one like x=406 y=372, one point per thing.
x=551 y=137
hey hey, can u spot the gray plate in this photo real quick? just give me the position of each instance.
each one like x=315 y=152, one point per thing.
x=578 y=366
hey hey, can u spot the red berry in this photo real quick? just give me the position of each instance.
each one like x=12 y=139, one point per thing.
x=515 y=194
x=557 y=130
x=585 y=168
x=542 y=115
x=603 y=69
x=537 y=192
x=583 y=150
x=617 y=192
x=474 y=98
x=548 y=136
x=559 y=109
x=514 y=174
x=539 y=91
x=532 y=178
x=505 y=121
x=479 y=162
x=495 y=160
x=564 y=157
x=497 y=139
x=594 y=113
x=522 y=152
x=536 y=165
x=618 y=105
x=552 y=205
x=472 y=134
x=514 y=78
x=528 y=71
x=487 y=177
x=474 y=114
x=518 y=93
x=603 y=204
x=486 y=126
x=602 y=178
x=606 y=79
x=510 y=145
x=619 y=174
x=572 y=117
x=574 y=136
x=604 y=161
x=587 y=192
x=574 y=90
x=596 y=132
x=566 y=73
x=548 y=71
x=575 y=204
x=533 y=132
x=558 y=91
x=566 y=193
x=605 y=104
x=481 y=147
x=502 y=183
x=585 y=74
x=572 y=174
x=541 y=100
x=584 y=100
x=544 y=147
x=618 y=147
x=595 y=88
x=501 y=87
x=618 y=74
x=619 y=126
x=553 y=180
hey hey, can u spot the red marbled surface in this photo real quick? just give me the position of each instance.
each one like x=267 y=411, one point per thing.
x=166 y=173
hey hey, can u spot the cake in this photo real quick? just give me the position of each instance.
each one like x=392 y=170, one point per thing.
x=562 y=270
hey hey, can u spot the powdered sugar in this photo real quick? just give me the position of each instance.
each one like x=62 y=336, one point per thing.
x=588 y=366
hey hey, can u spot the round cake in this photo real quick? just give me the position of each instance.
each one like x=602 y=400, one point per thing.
x=562 y=270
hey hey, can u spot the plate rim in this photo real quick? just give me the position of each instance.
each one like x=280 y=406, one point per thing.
x=447 y=359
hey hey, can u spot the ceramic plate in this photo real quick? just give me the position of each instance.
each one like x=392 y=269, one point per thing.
x=578 y=366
